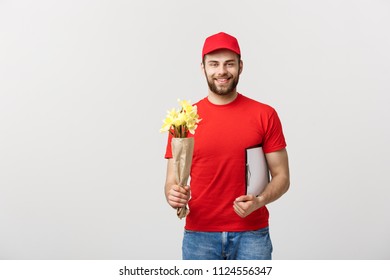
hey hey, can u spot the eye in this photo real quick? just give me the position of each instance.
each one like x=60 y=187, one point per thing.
x=213 y=64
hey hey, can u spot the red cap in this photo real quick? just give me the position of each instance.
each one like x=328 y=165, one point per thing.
x=220 y=41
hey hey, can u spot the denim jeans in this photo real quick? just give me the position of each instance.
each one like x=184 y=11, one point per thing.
x=246 y=245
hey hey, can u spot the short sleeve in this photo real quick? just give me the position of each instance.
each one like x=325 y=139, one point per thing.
x=274 y=138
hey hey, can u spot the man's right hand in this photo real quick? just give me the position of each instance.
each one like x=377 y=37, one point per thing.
x=178 y=196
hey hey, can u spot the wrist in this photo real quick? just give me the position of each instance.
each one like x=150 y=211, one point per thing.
x=261 y=201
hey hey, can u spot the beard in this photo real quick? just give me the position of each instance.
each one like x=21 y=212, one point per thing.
x=222 y=89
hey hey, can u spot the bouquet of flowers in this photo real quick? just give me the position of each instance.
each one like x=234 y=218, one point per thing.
x=180 y=123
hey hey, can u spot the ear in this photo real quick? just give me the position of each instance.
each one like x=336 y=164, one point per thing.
x=202 y=66
x=241 y=67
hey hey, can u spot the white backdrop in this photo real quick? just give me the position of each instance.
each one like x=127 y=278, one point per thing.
x=84 y=86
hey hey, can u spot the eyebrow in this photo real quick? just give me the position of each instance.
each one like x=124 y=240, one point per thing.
x=226 y=61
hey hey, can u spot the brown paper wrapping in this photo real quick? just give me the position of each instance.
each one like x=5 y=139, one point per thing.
x=182 y=151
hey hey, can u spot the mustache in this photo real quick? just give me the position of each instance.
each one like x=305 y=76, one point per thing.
x=223 y=76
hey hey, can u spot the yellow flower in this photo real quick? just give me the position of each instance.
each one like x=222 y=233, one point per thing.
x=169 y=120
x=179 y=123
x=185 y=105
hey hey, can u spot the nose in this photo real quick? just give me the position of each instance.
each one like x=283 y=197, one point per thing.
x=221 y=70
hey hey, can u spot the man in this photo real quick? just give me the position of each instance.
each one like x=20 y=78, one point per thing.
x=224 y=222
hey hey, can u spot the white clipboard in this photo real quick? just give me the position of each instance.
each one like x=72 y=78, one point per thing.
x=257 y=172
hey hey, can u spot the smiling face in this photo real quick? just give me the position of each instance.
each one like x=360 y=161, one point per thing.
x=222 y=69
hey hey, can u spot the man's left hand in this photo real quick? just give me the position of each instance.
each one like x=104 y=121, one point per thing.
x=246 y=204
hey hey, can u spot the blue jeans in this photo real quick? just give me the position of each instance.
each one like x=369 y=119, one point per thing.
x=246 y=245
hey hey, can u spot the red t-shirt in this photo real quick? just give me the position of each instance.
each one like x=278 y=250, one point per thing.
x=218 y=165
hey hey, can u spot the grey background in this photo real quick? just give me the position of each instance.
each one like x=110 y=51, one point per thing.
x=84 y=86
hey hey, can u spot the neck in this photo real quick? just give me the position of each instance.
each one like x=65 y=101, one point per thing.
x=218 y=99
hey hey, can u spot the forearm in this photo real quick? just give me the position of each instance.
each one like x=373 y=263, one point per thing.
x=280 y=174
x=246 y=204
x=167 y=188
x=278 y=186
x=169 y=179
x=175 y=195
